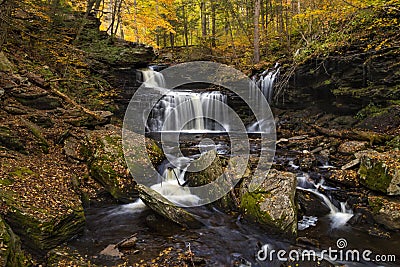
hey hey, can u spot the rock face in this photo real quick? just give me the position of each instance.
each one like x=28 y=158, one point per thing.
x=167 y=209
x=273 y=203
x=386 y=211
x=357 y=77
x=10 y=250
x=380 y=171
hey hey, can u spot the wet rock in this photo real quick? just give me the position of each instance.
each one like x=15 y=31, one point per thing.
x=111 y=251
x=310 y=204
x=352 y=147
x=380 y=171
x=273 y=203
x=128 y=243
x=166 y=208
x=346 y=177
x=36 y=97
x=10 y=248
x=386 y=211
x=162 y=225
x=306 y=161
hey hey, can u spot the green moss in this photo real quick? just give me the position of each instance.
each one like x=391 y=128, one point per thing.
x=22 y=172
x=375 y=204
x=250 y=205
x=375 y=176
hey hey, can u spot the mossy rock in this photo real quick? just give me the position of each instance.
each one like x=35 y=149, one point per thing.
x=11 y=254
x=65 y=256
x=107 y=163
x=381 y=171
x=385 y=211
x=42 y=234
x=273 y=203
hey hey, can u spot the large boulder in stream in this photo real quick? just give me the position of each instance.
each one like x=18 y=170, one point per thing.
x=10 y=247
x=273 y=203
x=107 y=163
x=380 y=171
x=386 y=211
x=166 y=208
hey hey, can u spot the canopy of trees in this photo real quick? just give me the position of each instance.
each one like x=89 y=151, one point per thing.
x=246 y=29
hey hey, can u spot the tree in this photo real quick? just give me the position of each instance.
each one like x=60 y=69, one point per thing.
x=257 y=8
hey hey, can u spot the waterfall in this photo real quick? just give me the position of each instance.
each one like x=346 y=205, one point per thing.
x=264 y=82
x=188 y=111
x=152 y=78
x=339 y=215
x=171 y=187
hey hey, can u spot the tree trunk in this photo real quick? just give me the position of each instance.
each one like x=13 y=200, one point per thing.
x=213 y=24
x=257 y=8
x=203 y=11
x=185 y=26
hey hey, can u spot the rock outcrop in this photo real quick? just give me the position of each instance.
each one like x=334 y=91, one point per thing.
x=273 y=203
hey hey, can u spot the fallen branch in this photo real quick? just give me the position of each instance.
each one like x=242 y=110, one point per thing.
x=72 y=102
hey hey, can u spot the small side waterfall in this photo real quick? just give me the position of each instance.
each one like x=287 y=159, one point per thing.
x=339 y=215
x=265 y=82
x=152 y=78
x=188 y=111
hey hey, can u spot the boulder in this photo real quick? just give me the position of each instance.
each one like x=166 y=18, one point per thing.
x=166 y=208
x=380 y=171
x=273 y=203
x=386 y=211
x=310 y=205
x=352 y=147
x=346 y=177
x=106 y=161
x=10 y=248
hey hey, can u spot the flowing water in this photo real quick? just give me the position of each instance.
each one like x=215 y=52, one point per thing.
x=225 y=240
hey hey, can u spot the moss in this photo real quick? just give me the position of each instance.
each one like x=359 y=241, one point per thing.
x=22 y=172
x=375 y=176
x=375 y=204
x=250 y=205
x=11 y=254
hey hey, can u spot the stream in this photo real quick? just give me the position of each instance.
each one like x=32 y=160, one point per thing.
x=226 y=239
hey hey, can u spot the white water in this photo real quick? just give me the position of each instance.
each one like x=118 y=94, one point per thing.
x=264 y=82
x=153 y=78
x=190 y=112
x=171 y=187
x=339 y=216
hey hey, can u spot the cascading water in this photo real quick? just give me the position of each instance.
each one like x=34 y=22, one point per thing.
x=188 y=111
x=171 y=187
x=339 y=215
x=264 y=82
x=152 y=78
